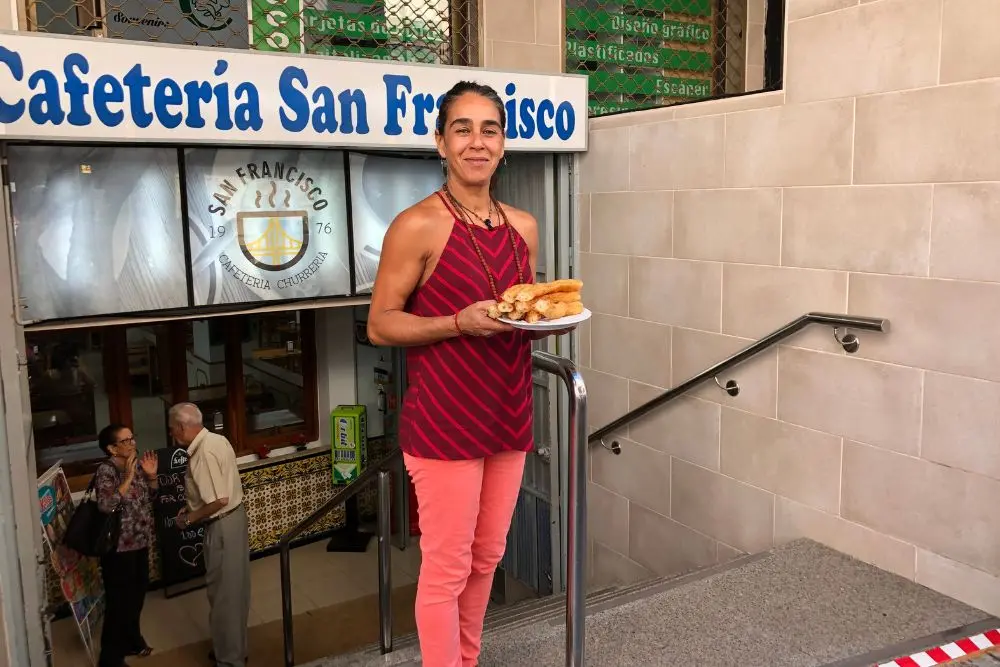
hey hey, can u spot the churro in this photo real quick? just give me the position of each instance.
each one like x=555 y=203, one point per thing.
x=532 y=292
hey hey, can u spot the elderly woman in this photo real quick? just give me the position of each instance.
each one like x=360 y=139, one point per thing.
x=125 y=482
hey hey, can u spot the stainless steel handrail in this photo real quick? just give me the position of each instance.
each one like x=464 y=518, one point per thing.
x=576 y=526
x=849 y=342
x=381 y=470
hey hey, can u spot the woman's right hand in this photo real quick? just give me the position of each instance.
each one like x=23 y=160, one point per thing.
x=130 y=467
x=474 y=320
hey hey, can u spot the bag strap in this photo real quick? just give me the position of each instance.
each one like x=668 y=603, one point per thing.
x=91 y=488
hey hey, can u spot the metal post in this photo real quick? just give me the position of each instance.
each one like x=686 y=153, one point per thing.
x=384 y=562
x=286 y=604
x=576 y=525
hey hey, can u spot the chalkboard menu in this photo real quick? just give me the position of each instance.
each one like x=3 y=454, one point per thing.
x=181 y=551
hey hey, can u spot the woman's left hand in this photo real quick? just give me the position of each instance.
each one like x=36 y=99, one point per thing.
x=149 y=464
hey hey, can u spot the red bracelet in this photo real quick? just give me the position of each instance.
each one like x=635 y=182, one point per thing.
x=458 y=329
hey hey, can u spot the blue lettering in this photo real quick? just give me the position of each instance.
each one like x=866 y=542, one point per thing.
x=44 y=106
x=76 y=89
x=527 y=127
x=137 y=82
x=107 y=91
x=545 y=108
x=223 y=121
x=350 y=100
x=423 y=105
x=196 y=94
x=167 y=94
x=565 y=120
x=395 y=102
x=10 y=113
x=324 y=116
x=248 y=111
x=294 y=99
x=511 y=107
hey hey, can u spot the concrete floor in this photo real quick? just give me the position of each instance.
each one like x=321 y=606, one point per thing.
x=802 y=605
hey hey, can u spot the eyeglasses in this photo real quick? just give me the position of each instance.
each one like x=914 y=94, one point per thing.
x=126 y=441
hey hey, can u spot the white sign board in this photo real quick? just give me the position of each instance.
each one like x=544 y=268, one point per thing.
x=56 y=88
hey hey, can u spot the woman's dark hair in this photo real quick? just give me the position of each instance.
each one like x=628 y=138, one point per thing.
x=461 y=88
x=109 y=436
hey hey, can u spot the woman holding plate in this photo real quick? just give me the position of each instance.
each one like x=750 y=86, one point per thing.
x=466 y=421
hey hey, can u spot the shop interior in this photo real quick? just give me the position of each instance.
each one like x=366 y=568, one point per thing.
x=130 y=308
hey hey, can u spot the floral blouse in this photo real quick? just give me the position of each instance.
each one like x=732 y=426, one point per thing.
x=136 y=505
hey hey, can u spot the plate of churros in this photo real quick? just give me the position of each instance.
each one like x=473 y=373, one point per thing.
x=542 y=306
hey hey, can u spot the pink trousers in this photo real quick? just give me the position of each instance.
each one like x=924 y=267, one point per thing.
x=465 y=509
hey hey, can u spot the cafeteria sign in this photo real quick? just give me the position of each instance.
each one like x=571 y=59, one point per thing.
x=56 y=88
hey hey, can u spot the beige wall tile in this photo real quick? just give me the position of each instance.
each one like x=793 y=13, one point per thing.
x=794 y=520
x=961 y=423
x=549 y=22
x=585 y=347
x=969 y=45
x=583 y=221
x=754 y=78
x=632 y=223
x=655 y=149
x=875 y=403
x=800 y=9
x=676 y=291
x=607 y=397
x=666 y=547
x=640 y=474
x=604 y=167
x=789 y=460
x=756 y=11
x=633 y=119
x=633 y=349
x=687 y=428
x=947 y=511
x=527 y=57
x=611 y=568
x=605 y=283
x=941 y=325
x=755 y=44
x=884 y=46
x=965 y=234
x=726 y=553
x=802 y=144
x=883 y=229
x=971 y=586
x=957 y=130
x=694 y=351
x=730 y=104
x=511 y=20
x=756 y=300
x=607 y=517
x=728 y=225
x=719 y=506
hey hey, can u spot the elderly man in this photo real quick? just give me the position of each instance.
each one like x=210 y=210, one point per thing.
x=215 y=500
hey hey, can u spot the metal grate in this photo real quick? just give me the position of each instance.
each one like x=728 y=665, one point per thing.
x=650 y=53
x=424 y=31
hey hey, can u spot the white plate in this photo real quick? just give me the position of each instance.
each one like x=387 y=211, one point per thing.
x=568 y=322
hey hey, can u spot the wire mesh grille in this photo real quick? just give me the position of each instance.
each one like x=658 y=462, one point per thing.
x=424 y=31
x=650 y=53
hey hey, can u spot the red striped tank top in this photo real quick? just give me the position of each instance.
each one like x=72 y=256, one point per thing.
x=468 y=397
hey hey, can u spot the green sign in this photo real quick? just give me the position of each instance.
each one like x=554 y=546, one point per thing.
x=276 y=25
x=639 y=84
x=684 y=7
x=405 y=54
x=629 y=55
x=364 y=26
x=604 y=108
x=663 y=30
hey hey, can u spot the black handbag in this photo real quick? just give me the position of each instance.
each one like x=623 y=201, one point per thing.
x=92 y=532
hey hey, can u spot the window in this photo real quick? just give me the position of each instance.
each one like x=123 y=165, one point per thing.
x=252 y=376
x=641 y=54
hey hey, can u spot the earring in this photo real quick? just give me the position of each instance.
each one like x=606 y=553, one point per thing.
x=505 y=160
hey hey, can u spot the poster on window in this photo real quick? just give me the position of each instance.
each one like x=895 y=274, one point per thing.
x=267 y=225
x=381 y=187
x=98 y=230
x=200 y=22
x=79 y=576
